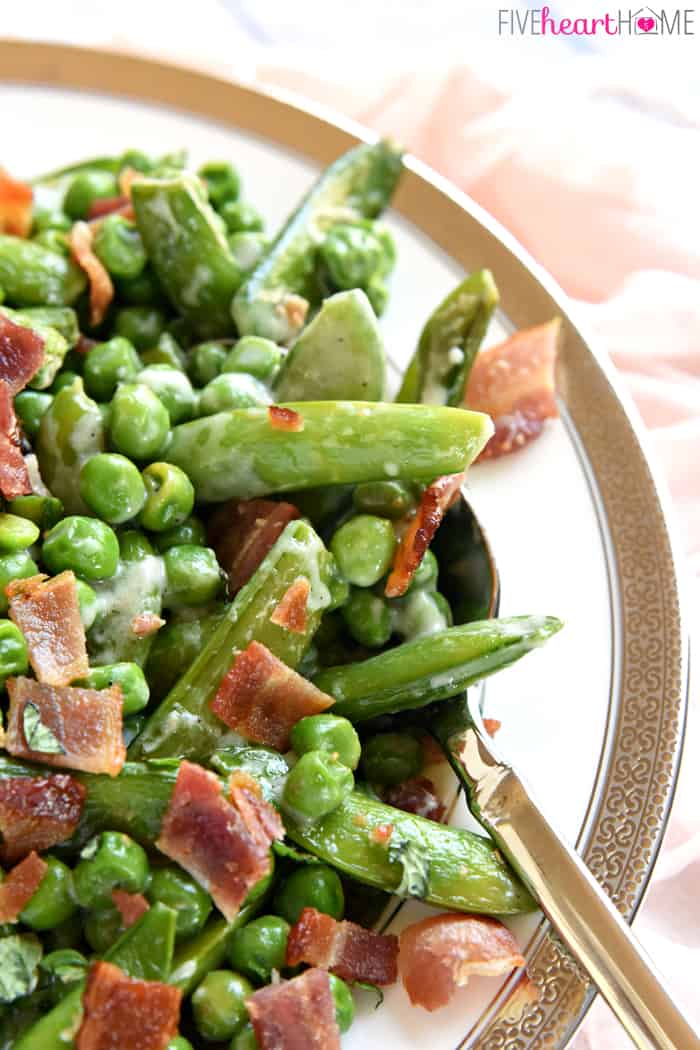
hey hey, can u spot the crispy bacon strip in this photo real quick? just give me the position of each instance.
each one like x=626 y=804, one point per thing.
x=224 y=845
x=295 y=1015
x=131 y=906
x=86 y=724
x=14 y=476
x=243 y=531
x=146 y=624
x=37 y=813
x=514 y=383
x=19 y=886
x=435 y=501
x=47 y=612
x=417 y=795
x=440 y=954
x=120 y=1012
x=16 y=199
x=344 y=948
x=285 y=419
x=262 y=699
x=101 y=287
x=104 y=206
x=291 y=611
x=21 y=353
x=262 y=821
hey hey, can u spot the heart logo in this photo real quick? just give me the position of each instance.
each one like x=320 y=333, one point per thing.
x=646 y=24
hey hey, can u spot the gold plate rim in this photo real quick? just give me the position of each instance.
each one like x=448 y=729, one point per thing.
x=637 y=779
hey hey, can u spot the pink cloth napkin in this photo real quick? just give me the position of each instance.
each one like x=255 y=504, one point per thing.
x=605 y=198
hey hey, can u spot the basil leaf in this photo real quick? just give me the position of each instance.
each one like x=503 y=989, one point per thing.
x=19 y=958
x=297 y=855
x=65 y=964
x=416 y=866
x=373 y=988
x=38 y=736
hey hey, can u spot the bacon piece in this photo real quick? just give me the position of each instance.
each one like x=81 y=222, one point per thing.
x=262 y=821
x=16 y=199
x=263 y=699
x=381 y=834
x=440 y=954
x=492 y=725
x=104 y=206
x=418 y=796
x=291 y=611
x=85 y=723
x=285 y=419
x=131 y=906
x=344 y=948
x=119 y=1011
x=127 y=177
x=19 y=886
x=37 y=813
x=514 y=383
x=146 y=624
x=84 y=344
x=224 y=845
x=435 y=501
x=48 y=614
x=101 y=287
x=14 y=476
x=295 y=1015
x=243 y=531
x=21 y=353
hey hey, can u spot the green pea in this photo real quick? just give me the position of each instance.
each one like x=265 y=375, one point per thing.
x=218 y=1004
x=177 y=889
x=310 y=886
x=15 y=566
x=65 y=378
x=173 y=388
x=388 y=499
x=53 y=902
x=109 y=364
x=247 y=248
x=85 y=188
x=316 y=785
x=169 y=497
x=143 y=290
x=87 y=600
x=102 y=927
x=46 y=219
x=109 y=861
x=30 y=406
x=241 y=217
x=128 y=676
x=259 y=948
x=167 y=352
x=427 y=572
x=54 y=239
x=328 y=733
x=13 y=651
x=175 y=647
x=118 y=245
x=16 y=533
x=139 y=422
x=136 y=159
x=391 y=758
x=134 y=545
x=257 y=356
x=206 y=361
x=232 y=390
x=44 y=511
x=368 y=618
x=190 y=531
x=192 y=574
x=85 y=545
x=141 y=325
x=179 y=1043
x=344 y=1002
x=364 y=549
x=245 y=1039
x=222 y=181
x=112 y=486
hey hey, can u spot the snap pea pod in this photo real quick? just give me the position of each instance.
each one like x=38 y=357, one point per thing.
x=339 y=355
x=239 y=454
x=188 y=251
x=183 y=723
x=32 y=275
x=144 y=951
x=63 y=318
x=55 y=346
x=71 y=431
x=274 y=299
x=207 y=950
x=432 y=668
x=449 y=342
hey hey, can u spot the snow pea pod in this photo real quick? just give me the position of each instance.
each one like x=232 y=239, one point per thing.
x=32 y=275
x=70 y=432
x=274 y=299
x=241 y=454
x=188 y=251
x=449 y=342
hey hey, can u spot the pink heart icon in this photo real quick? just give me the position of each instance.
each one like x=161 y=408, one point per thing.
x=646 y=24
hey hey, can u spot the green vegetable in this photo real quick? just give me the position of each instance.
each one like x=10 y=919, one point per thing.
x=118 y=245
x=177 y=645
x=87 y=600
x=16 y=534
x=274 y=299
x=112 y=487
x=364 y=549
x=316 y=785
x=206 y=951
x=143 y=290
x=179 y=1043
x=65 y=378
x=30 y=406
x=109 y=364
x=71 y=431
x=359 y=255
x=222 y=181
x=266 y=766
x=55 y=347
x=37 y=735
x=417 y=673
x=420 y=613
x=32 y=275
x=259 y=948
x=130 y=679
x=192 y=574
x=258 y=357
x=241 y=455
x=388 y=499
x=338 y=356
x=368 y=618
x=62 y=319
x=240 y=217
x=206 y=361
x=177 y=889
x=87 y=546
x=310 y=886
x=245 y=1039
x=110 y=861
x=19 y=959
x=44 y=511
x=65 y=964
x=169 y=497
x=15 y=566
x=86 y=188
x=344 y=1002
x=53 y=901
x=190 y=531
x=167 y=351
x=232 y=390
x=139 y=422
x=247 y=248
x=13 y=651
x=390 y=758
x=173 y=388
x=218 y=1004
x=328 y=733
